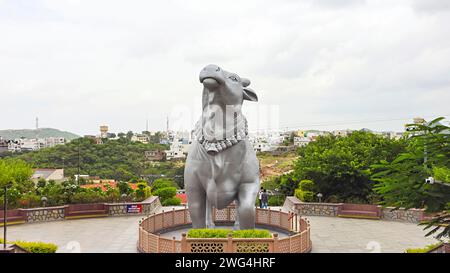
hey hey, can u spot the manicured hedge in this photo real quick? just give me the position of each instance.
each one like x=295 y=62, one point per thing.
x=251 y=233
x=173 y=201
x=423 y=250
x=223 y=233
x=165 y=193
x=35 y=247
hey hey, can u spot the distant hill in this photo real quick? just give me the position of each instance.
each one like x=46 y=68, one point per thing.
x=36 y=133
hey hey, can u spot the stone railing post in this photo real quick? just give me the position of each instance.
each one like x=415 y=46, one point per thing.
x=279 y=218
x=185 y=214
x=290 y=244
x=275 y=243
x=183 y=243
x=162 y=218
x=229 y=244
x=173 y=245
x=158 y=247
x=173 y=216
x=270 y=216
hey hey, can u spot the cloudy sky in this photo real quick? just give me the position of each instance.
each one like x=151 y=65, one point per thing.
x=314 y=64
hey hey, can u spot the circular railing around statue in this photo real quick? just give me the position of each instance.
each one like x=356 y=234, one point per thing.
x=298 y=230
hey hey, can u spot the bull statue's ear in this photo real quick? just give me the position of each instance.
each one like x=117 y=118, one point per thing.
x=245 y=82
x=250 y=95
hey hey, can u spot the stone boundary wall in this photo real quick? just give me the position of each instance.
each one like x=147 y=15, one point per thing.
x=44 y=214
x=331 y=209
x=311 y=209
x=120 y=209
x=403 y=215
x=48 y=214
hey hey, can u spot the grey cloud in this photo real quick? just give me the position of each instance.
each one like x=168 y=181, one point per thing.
x=319 y=61
x=431 y=6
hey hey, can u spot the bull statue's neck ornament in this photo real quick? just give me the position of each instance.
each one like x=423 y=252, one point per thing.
x=222 y=166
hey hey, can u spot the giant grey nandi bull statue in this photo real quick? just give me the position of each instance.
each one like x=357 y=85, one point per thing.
x=221 y=166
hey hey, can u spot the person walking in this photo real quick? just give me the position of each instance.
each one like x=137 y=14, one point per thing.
x=259 y=197
x=264 y=199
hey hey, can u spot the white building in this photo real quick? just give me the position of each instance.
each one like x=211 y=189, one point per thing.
x=262 y=147
x=48 y=174
x=301 y=141
x=33 y=144
x=178 y=149
x=140 y=138
x=342 y=133
x=52 y=141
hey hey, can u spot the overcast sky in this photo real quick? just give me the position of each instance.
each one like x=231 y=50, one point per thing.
x=314 y=64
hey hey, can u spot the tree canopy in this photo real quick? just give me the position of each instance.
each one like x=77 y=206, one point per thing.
x=401 y=181
x=14 y=172
x=340 y=166
x=119 y=159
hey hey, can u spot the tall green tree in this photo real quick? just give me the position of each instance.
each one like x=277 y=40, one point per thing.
x=15 y=174
x=340 y=166
x=401 y=181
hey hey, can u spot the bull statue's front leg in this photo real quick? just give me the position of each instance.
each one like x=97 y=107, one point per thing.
x=209 y=215
x=236 y=217
x=246 y=205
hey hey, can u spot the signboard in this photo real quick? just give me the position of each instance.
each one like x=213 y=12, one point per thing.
x=134 y=208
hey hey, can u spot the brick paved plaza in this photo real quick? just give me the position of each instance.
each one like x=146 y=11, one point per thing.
x=328 y=234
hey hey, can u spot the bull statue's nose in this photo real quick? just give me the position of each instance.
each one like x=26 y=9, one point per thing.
x=212 y=67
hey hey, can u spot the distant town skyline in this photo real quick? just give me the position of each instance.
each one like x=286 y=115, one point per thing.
x=325 y=65
x=320 y=126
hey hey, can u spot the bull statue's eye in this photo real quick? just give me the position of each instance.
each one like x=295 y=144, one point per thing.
x=233 y=78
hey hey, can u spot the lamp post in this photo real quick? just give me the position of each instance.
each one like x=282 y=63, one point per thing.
x=319 y=195
x=5 y=216
x=44 y=201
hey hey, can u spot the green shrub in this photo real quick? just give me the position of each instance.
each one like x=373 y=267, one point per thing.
x=223 y=233
x=333 y=199
x=305 y=191
x=276 y=200
x=89 y=196
x=308 y=196
x=124 y=188
x=424 y=249
x=305 y=196
x=35 y=247
x=298 y=194
x=306 y=185
x=251 y=233
x=29 y=200
x=173 y=201
x=166 y=193
x=143 y=191
x=162 y=183
x=208 y=233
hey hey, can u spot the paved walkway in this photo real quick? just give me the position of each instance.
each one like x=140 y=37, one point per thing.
x=119 y=234
x=333 y=234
